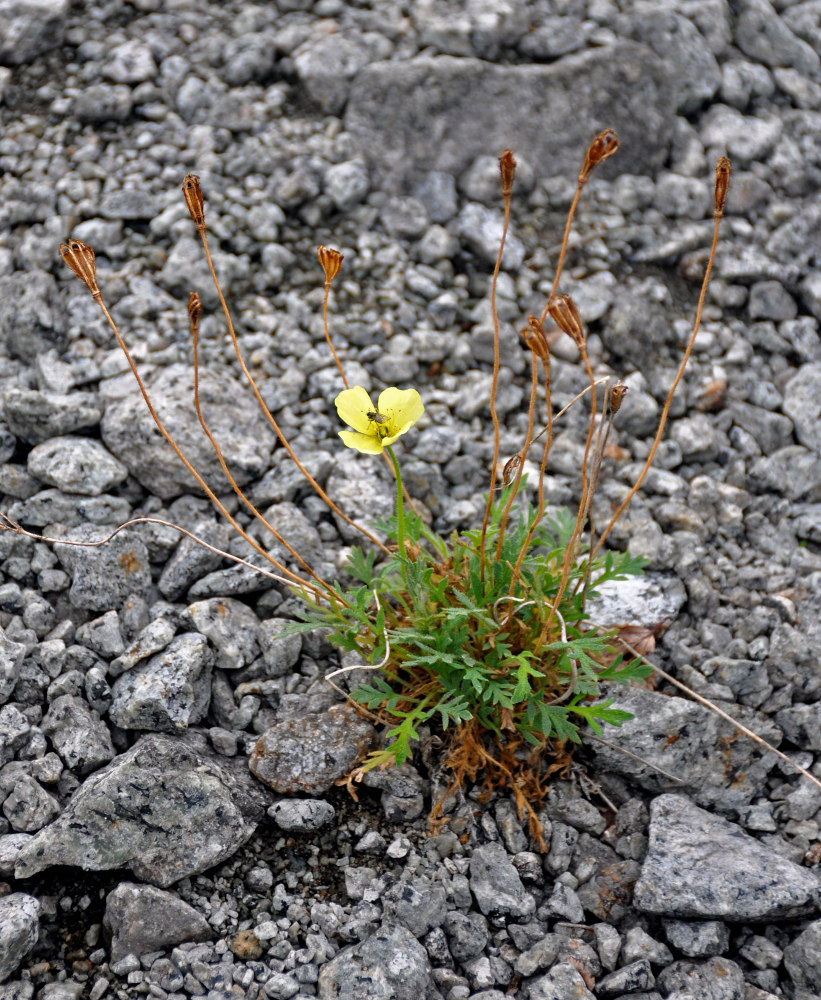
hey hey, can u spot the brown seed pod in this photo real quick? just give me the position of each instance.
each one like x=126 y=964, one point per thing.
x=80 y=258
x=605 y=144
x=566 y=316
x=617 y=394
x=193 y=199
x=507 y=167
x=723 y=171
x=194 y=312
x=330 y=261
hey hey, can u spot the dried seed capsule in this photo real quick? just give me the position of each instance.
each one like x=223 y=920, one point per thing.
x=566 y=316
x=194 y=311
x=330 y=261
x=80 y=258
x=605 y=144
x=193 y=199
x=534 y=338
x=617 y=394
x=507 y=166
x=723 y=170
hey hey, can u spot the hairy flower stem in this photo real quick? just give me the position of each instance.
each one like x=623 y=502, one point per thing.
x=266 y=412
x=494 y=385
x=200 y=481
x=722 y=184
x=400 y=505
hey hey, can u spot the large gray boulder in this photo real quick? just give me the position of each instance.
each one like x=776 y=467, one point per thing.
x=435 y=113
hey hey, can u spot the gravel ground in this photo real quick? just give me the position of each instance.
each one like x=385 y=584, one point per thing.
x=141 y=855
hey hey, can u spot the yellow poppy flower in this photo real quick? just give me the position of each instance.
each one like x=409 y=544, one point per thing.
x=377 y=427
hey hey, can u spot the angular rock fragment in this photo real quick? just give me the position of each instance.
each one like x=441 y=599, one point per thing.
x=389 y=965
x=170 y=692
x=720 y=768
x=19 y=930
x=141 y=918
x=699 y=865
x=307 y=755
x=78 y=734
x=165 y=809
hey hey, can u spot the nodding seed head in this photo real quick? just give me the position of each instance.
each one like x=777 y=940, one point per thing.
x=193 y=199
x=605 y=144
x=723 y=170
x=194 y=312
x=534 y=338
x=80 y=258
x=507 y=167
x=330 y=261
x=617 y=394
x=566 y=316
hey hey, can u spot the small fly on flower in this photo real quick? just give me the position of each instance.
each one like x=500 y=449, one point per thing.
x=377 y=417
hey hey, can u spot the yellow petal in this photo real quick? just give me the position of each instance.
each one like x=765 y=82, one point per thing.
x=353 y=406
x=402 y=408
x=368 y=444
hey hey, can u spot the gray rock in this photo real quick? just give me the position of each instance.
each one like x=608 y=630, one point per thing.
x=496 y=884
x=130 y=62
x=802 y=958
x=637 y=600
x=793 y=471
x=10 y=846
x=327 y=63
x=469 y=107
x=389 y=965
x=675 y=39
x=78 y=734
x=19 y=930
x=564 y=980
x=37 y=416
x=480 y=228
x=762 y=35
x=698 y=938
x=28 y=806
x=131 y=203
x=725 y=782
x=103 y=575
x=103 y=102
x=771 y=300
x=191 y=561
x=467 y=934
x=30 y=27
x=166 y=809
x=279 y=653
x=76 y=465
x=53 y=507
x=307 y=755
x=170 y=692
x=301 y=815
x=141 y=919
x=403 y=792
x=802 y=402
x=231 y=627
x=417 y=904
x=347 y=183
x=11 y=656
x=153 y=638
x=14 y=731
x=802 y=725
x=715 y=979
x=32 y=319
x=699 y=865
x=638 y=944
x=361 y=493
x=629 y=979
x=244 y=437
x=771 y=431
x=102 y=635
